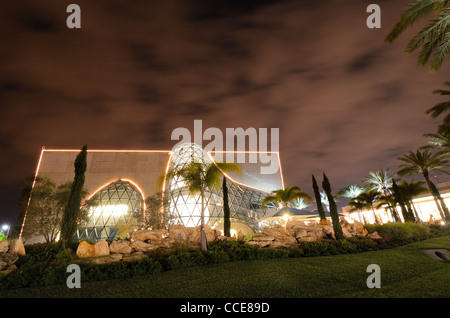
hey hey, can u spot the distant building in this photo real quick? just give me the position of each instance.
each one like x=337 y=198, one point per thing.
x=424 y=207
x=119 y=181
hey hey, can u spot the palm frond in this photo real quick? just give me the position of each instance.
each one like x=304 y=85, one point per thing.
x=267 y=199
x=438 y=109
x=441 y=53
x=413 y=13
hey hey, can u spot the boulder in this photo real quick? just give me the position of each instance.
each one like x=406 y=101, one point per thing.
x=307 y=239
x=292 y=224
x=85 y=250
x=240 y=236
x=359 y=229
x=144 y=235
x=17 y=247
x=346 y=231
x=327 y=229
x=134 y=257
x=8 y=259
x=9 y=269
x=325 y=222
x=375 y=236
x=283 y=241
x=300 y=233
x=226 y=238
x=143 y=246
x=101 y=248
x=258 y=243
x=167 y=243
x=120 y=246
x=210 y=235
x=108 y=259
x=179 y=233
x=263 y=237
x=4 y=245
x=277 y=231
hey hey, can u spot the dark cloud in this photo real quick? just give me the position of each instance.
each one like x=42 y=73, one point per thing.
x=364 y=61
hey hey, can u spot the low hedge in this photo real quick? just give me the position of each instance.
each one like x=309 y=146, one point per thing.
x=400 y=231
x=46 y=264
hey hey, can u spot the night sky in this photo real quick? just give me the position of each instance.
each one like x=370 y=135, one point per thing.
x=345 y=102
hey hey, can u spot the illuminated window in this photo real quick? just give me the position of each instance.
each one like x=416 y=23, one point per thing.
x=109 y=208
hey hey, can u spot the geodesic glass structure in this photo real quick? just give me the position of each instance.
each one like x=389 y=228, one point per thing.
x=109 y=208
x=185 y=207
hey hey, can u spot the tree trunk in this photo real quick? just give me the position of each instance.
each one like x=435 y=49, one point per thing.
x=433 y=193
x=203 y=245
x=226 y=209
x=374 y=214
x=415 y=213
x=359 y=216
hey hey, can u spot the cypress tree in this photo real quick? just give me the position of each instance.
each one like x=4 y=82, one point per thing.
x=333 y=209
x=226 y=209
x=318 y=199
x=72 y=210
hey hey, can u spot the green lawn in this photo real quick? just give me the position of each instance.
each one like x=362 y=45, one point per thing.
x=405 y=272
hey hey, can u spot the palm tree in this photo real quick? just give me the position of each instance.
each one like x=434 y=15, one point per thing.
x=439 y=141
x=408 y=216
x=424 y=162
x=389 y=203
x=366 y=200
x=325 y=201
x=352 y=191
x=285 y=196
x=434 y=38
x=380 y=181
x=198 y=178
x=438 y=109
x=300 y=203
x=409 y=190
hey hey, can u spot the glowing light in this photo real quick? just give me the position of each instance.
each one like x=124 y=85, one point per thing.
x=31 y=191
x=108 y=210
x=108 y=150
x=286 y=217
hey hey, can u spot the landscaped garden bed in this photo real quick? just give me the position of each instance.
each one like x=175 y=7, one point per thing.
x=46 y=264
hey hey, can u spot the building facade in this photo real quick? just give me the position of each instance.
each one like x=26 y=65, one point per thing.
x=423 y=206
x=119 y=182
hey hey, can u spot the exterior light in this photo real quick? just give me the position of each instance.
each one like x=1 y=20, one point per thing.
x=286 y=217
x=6 y=227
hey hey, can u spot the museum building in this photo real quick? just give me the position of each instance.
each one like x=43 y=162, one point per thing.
x=119 y=182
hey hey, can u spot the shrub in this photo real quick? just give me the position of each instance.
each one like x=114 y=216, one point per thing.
x=186 y=259
x=400 y=231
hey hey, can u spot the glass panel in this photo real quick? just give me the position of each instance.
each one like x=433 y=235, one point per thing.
x=109 y=208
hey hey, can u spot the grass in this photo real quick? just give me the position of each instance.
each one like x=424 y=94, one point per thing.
x=405 y=272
